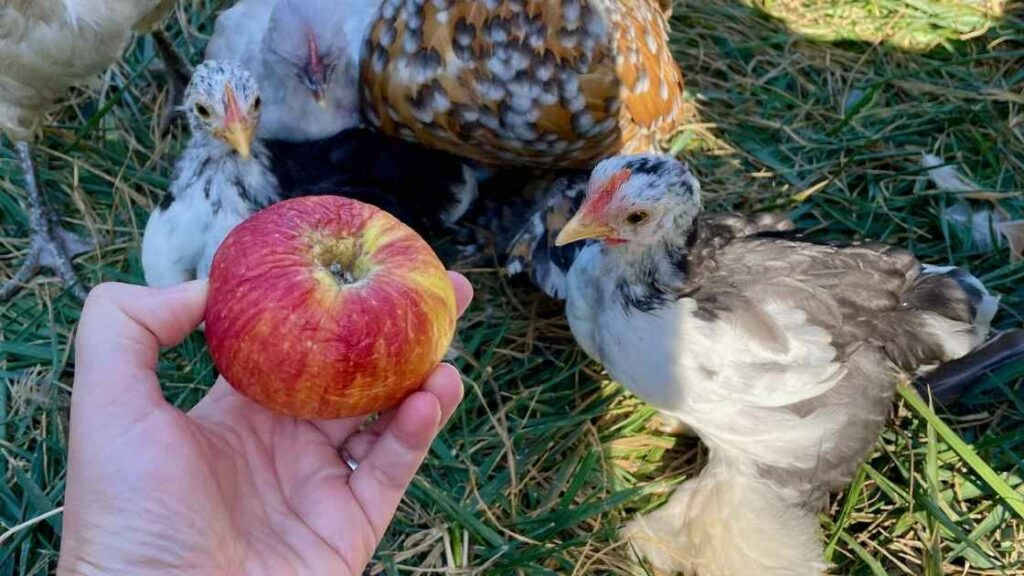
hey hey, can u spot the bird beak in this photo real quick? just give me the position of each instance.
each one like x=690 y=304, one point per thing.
x=319 y=94
x=577 y=229
x=238 y=130
x=239 y=136
x=581 y=226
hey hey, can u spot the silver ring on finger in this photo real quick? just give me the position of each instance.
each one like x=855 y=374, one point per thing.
x=351 y=462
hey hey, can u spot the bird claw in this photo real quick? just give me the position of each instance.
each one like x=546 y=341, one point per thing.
x=52 y=246
x=54 y=254
x=69 y=245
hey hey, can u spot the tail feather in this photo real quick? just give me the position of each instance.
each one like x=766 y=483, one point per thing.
x=947 y=383
x=533 y=248
x=954 y=293
x=955 y=299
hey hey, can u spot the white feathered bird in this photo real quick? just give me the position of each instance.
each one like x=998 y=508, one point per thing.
x=222 y=177
x=228 y=172
x=46 y=47
x=781 y=355
x=305 y=55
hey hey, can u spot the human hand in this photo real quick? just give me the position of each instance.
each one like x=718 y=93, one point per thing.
x=229 y=487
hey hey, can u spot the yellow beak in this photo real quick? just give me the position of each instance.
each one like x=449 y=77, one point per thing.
x=238 y=130
x=238 y=134
x=576 y=229
x=320 y=97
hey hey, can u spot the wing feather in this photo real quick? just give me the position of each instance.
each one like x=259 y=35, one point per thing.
x=524 y=82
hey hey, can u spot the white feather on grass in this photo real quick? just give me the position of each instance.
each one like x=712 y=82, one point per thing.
x=990 y=226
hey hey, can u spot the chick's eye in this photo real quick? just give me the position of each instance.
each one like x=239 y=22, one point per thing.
x=256 y=104
x=638 y=217
x=203 y=111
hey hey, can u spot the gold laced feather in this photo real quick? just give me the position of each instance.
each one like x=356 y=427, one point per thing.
x=550 y=83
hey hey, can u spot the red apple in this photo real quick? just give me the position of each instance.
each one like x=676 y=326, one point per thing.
x=324 y=307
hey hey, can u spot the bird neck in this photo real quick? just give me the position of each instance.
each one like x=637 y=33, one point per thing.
x=653 y=275
x=214 y=164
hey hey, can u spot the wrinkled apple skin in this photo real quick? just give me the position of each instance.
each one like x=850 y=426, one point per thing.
x=325 y=307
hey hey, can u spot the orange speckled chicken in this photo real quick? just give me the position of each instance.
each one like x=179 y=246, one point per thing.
x=548 y=83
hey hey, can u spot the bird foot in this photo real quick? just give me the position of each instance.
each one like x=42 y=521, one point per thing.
x=52 y=246
x=68 y=245
x=668 y=424
x=51 y=249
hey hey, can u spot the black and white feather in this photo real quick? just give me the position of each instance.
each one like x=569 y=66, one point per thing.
x=781 y=355
x=216 y=185
x=530 y=248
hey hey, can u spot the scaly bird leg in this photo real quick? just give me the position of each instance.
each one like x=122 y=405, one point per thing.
x=178 y=73
x=52 y=246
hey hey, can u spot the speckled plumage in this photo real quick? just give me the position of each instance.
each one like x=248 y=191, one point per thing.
x=781 y=355
x=214 y=188
x=524 y=82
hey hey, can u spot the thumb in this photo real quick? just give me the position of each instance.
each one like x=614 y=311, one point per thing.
x=119 y=338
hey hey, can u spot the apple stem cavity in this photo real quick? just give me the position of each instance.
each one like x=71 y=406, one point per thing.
x=341 y=274
x=341 y=259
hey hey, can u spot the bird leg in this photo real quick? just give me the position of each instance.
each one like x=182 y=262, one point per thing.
x=52 y=246
x=178 y=74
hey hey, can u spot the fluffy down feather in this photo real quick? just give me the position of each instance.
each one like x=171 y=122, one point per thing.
x=781 y=355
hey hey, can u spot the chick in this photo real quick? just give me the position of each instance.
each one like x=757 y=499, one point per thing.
x=227 y=172
x=782 y=355
x=223 y=176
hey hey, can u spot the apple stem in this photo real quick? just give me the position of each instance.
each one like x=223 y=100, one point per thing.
x=341 y=273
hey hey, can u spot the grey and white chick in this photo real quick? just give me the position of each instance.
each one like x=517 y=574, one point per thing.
x=223 y=176
x=781 y=355
x=305 y=55
x=523 y=212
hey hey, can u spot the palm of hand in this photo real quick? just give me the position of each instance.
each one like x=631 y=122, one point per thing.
x=230 y=488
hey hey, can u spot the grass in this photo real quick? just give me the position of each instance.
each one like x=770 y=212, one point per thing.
x=822 y=108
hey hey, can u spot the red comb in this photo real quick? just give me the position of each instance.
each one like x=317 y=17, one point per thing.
x=316 y=65
x=599 y=199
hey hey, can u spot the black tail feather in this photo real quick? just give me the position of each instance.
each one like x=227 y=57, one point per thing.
x=947 y=383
